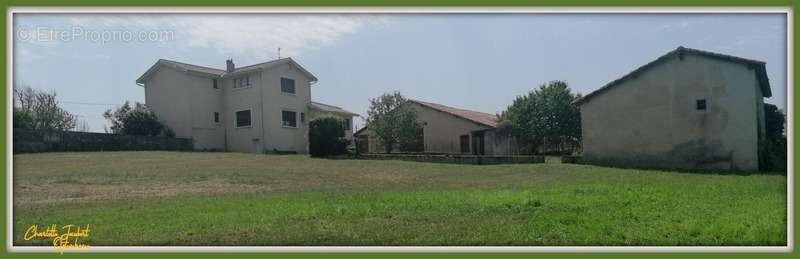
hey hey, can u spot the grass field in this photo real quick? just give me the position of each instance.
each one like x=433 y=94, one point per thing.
x=173 y=198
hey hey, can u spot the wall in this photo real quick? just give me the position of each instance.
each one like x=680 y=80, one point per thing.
x=33 y=141
x=442 y=130
x=458 y=159
x=651 y=120
x=277 y=136
x=186 y=104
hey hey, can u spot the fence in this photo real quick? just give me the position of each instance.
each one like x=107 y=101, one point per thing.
x=457 y=159
x=34 y=141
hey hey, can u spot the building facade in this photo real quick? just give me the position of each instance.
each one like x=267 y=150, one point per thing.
x=262 y=108
x=449 y=130
x=688 y=109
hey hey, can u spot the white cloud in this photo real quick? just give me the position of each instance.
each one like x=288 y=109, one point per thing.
x=244 y=35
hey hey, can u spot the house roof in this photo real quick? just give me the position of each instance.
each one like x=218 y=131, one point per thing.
x=759 y=66
x=213 y=72
x=486 y=119
x=331 y=109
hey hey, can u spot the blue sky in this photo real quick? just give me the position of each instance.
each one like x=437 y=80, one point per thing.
x=473 y=61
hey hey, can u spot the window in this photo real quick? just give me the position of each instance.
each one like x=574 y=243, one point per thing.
x=216 y=117
x=243 y=118
x=214 y=83
x=302 y=117
x=701 y=104
x=346 y=124
x=241 y=82
x=464 y=140
x=287 y=85
x=289 y=119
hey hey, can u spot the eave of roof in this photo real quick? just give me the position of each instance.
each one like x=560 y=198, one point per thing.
x=759 y=66
x=213 y=72
x=331 y=109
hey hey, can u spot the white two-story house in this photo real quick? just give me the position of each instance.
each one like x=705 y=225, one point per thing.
x=262 y=108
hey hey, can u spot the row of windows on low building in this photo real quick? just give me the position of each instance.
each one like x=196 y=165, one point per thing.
x=288 y=119
x=287 y=84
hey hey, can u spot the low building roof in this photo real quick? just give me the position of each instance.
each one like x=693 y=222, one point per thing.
x=759 y=66
x=486 y=119
x=330 y=108
x=213 y=72
x=482 y=118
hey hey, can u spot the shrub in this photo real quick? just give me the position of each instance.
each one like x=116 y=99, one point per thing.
x=137 y=120
x=326 y=137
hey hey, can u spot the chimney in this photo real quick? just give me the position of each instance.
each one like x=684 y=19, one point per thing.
x=230 y=65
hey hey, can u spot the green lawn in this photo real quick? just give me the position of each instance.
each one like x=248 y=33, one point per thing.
x=174 y=198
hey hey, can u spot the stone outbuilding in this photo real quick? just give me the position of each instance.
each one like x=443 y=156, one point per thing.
x=688 y=109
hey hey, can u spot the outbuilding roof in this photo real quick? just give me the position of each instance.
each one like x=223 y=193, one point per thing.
x=486 y=119
x=759 y=66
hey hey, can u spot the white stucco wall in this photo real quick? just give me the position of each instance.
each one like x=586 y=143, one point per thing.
x=186 y=103
x=651 y=120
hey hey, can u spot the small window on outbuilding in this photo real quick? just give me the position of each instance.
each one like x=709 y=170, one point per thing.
x=216 y=117
x=214 y=82
x=464 y=141
x=701 y=104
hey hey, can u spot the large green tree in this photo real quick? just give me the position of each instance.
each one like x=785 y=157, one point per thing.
x=773 y=152
x=545 y=117
x=37 y=109
x=136 y=120
x=393 y=121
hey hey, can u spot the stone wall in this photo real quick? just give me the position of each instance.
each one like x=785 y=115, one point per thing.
x=457 y=159
x=34 y=141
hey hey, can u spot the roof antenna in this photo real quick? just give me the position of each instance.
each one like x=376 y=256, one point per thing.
x=279 y=52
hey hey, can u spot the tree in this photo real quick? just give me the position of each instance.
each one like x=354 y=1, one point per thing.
x=773 y=152
x=326 y=137
x=545 y=116
x=393 y=121
x=136 y=120
x=36 y=109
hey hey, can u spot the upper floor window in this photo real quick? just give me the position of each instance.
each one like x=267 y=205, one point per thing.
x=287 y=85
x=216 y=117
x=289 y=119
x=214 y=83
x=241 y=82
x=701 y=104
x=243 y=119
x=346 y=124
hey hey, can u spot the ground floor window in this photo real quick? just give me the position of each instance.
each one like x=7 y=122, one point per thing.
x=243 y=119
x=464 y=141
x=289 y=119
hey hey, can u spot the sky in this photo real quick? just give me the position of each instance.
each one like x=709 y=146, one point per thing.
x=473 y=61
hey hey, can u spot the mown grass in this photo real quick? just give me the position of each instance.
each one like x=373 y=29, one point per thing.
x=171 y=198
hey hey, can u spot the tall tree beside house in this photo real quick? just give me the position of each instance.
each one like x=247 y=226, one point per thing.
x=326 y=137
x=774 y=149
x=393 y=121
x=546 y=118
x=136 y=120
x=37 y=109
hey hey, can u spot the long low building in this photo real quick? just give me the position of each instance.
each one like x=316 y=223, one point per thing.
x=688 y=109
x=450 y=130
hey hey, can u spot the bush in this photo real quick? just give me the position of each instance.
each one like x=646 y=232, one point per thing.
x=326 y=137
x=137 y=120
